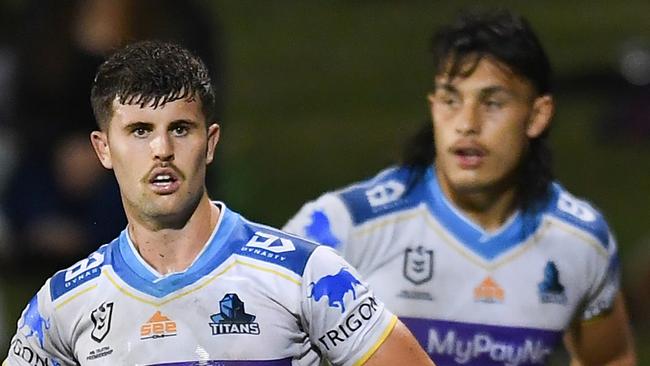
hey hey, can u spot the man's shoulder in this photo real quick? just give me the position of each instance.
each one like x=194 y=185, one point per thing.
x=272 y=246
x=84 y=271
x=393 y=189
x=579 y=214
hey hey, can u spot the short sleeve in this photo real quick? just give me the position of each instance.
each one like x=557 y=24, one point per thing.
x=344 y=318
x=325 y=221
x=601 y=298
x=37 y=340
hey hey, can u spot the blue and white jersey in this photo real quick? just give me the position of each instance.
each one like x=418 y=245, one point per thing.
x=470 y=297
x=253 y=296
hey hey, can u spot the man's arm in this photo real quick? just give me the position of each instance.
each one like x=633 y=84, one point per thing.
x=400 y=348
x=606 y=340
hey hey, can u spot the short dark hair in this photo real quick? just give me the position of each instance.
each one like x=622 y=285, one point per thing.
x=508 y=39
x=151 y=73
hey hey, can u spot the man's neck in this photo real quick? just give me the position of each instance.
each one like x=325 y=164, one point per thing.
x=170 y=250
x=489 y=209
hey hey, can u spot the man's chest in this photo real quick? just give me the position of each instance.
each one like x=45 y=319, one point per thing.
x=421 y=270
x=225 y=320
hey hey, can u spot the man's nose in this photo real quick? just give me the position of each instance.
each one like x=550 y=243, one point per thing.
x=162 y=147
x=469 y=121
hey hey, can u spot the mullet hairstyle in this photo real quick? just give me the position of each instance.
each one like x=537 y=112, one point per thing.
x=507 y=38
x=151 y=73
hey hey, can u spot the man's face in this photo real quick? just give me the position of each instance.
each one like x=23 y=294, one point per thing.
x=482 y=125
x=159 y=156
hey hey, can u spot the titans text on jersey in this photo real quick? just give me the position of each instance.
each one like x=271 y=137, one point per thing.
x=254 y=296
x=471 y=297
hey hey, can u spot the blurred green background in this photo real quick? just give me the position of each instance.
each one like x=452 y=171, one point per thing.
x=321 y=94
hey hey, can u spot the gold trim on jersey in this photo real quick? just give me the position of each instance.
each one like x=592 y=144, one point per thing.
x=261 y=268
x=587 y=238
x=379 y=342
x=211 y=278
x=422 y=211
x=64 y=302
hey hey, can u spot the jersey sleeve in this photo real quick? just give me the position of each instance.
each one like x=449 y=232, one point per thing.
x=325 y=220
x=344 y=319
x=37 y=340
x=602 y=294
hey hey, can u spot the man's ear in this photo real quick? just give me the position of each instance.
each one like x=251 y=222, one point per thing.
x=213 y=139
x=431 y=98
x=540 y=118
x=99 y=140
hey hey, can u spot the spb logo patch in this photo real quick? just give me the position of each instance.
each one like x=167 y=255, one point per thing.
x=335 y=287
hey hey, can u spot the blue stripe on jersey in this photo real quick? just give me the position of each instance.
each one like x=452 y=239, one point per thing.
x=137 y=275
x=282 y=362
x=487 y=245
x=401 y=188
x=456 y=343
x=386 y=193
x=235 y=235
x=274 y=246
x=578 y=213
x=81 y=272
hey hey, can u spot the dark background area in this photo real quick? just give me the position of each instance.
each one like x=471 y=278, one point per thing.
x=320 y=94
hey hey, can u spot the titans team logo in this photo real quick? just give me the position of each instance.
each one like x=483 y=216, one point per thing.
x=32 y=322
x=550 y=289
x=418 y=265
x=335 y=287
x=233 y=318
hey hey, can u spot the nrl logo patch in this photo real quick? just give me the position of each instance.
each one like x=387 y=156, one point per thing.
x=418 y=265
x=101 y=318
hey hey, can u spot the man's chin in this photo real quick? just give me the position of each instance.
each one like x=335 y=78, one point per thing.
x=468 y=181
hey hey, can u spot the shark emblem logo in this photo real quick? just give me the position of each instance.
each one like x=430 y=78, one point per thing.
x=550 y=289
x=32 y=322
x=335 y=287
x=320 y=229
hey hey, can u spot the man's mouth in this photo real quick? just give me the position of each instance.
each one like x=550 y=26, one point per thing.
x=469 y=152
x=469 y=156
x=164 y=181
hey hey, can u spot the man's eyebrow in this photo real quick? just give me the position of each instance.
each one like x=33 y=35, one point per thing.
x=137 y=124
x=447 y=87
x=184 y=121
x=491 y=90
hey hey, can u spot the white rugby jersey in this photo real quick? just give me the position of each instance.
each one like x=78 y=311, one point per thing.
x=470 y=297
x=253 y=296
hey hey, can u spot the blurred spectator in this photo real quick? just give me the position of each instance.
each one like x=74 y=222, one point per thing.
x=58 y=201
x=8 y=64
x=63 y=205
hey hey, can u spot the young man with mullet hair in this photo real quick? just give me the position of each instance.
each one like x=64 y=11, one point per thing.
x=190 y=282
x=469 y=240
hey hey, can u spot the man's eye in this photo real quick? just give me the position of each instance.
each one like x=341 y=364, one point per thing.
x=493 y=104
x=448 y=100
x=140 y=132
x=180 y=131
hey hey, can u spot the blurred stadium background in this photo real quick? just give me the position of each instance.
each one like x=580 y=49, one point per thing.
x=320 y=94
